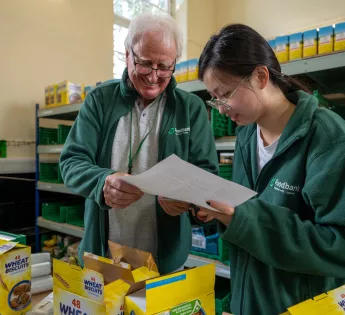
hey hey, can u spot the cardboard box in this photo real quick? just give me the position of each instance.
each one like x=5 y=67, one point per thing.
x=183 y=71
x=47 y=96
x=193 y=69
x=15 y=278
x=282 y=48
x=183 y=293
x=330 y=303
x=310 y=43
x=296 y=46
x=69 y=93
x=339 y=36
x=52 y=95
x=326 y=39
x=100 y=287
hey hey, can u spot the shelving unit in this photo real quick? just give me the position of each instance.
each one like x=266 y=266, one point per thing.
x=60 y=227
x=68 y=112
x=326 y=70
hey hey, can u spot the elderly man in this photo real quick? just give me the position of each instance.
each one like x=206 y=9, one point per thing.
x=126 y=128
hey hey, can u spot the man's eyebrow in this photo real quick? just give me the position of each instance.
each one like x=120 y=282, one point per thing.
x=150 y=62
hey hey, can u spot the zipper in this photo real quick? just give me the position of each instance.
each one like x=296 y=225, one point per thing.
x=269 y=163
x=106 y=213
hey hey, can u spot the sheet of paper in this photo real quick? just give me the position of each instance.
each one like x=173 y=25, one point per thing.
x=176 y=179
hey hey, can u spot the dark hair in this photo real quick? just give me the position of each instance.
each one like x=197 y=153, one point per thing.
x=238 y=49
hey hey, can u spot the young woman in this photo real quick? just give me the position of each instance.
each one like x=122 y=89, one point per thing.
x=288 y=243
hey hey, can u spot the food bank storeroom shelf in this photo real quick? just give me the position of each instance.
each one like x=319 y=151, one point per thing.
x=60 y=227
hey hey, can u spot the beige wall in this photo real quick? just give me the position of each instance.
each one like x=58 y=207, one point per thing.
x=47 y=41
x=269 y=17
x=196 y=18
x=277 y=17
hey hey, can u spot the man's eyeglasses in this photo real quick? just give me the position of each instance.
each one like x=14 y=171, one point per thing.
x=164 y=73
x=215 y=102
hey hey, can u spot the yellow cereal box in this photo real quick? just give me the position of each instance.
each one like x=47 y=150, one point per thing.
x=183 y=293
x=52 y=95
x=330 y=303
x=47 y=95
x=282 y=48
x=69 y=93
x=15 y=278
x=193 y=69
x=326 y=39
x=310 y=43
x=183 y=71
x=339 y=36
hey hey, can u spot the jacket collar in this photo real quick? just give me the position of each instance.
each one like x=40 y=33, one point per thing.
x=130 y=94
x=296 y=128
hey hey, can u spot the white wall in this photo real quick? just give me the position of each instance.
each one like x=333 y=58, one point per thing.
x=43 y=42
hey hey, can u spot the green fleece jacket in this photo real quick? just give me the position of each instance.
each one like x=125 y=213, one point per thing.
x=288 y=243
x=86 y=158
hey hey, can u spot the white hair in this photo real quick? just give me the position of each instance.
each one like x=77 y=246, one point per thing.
x=164 y=24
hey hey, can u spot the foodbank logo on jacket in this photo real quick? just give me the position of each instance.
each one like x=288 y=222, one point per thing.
x=284 y=187
x=179 y=132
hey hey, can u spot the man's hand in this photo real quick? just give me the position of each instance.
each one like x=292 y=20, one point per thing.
x=173 y=207
x=118 y=194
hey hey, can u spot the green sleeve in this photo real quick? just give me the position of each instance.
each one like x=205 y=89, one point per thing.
x=78 y=161
x=202 y=148
x=279 y=238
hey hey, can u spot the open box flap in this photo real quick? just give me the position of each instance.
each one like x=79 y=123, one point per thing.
x=6 y=246
x=111 y=272
x=186 y=285
x=135 y=257
x=332 y=303
x=85 y=282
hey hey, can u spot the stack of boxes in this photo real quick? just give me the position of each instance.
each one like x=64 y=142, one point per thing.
x=64 y=93
x=309 y=43
x=187 y=70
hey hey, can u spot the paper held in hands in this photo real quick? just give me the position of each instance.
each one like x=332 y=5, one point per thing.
x=176 y=179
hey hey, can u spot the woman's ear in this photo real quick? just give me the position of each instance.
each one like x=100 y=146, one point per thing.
x=263 y=76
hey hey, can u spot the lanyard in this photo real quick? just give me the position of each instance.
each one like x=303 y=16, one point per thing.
x=131 y=157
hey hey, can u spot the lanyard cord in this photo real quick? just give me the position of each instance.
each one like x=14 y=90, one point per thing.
x=130 y=156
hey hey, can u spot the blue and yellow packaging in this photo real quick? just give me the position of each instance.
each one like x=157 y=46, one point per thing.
x=310 y=43
x=183 y=293
x=339 y=37
x=193 y=69
x=326 y=39
x=296 y=46
x=177 y=72
x=183 y=71
x=282 y=48
x=272 y=43
x=15 y=278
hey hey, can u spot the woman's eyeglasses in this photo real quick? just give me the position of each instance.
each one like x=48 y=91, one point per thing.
x=216 y=103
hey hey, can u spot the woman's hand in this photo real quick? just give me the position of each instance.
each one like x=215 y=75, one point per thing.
x=225 y=212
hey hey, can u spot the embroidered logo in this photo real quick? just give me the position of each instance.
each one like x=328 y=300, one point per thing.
x=284 y=187
x=179 y=132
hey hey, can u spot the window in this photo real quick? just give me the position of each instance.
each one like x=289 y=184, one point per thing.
x=124 y=11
